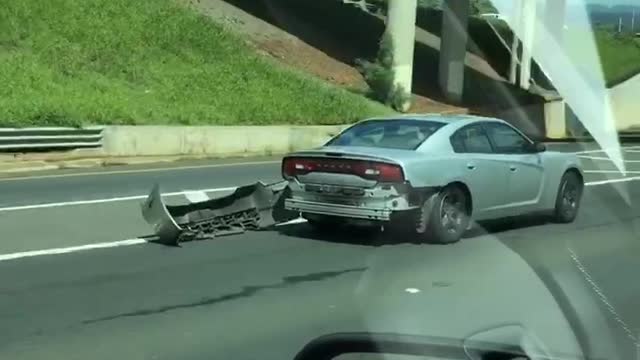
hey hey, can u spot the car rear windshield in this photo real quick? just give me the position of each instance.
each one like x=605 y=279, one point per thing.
x=405 y=134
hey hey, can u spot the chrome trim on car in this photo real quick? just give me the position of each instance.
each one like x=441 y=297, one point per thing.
x=312 y=207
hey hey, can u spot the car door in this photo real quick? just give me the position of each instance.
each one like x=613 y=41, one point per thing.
x=483 y=172
x=526 y=173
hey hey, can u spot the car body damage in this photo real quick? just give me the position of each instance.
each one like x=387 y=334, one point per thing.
x=252 y=207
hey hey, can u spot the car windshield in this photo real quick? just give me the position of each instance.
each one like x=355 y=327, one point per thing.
x=230 y=179
x=404 y=134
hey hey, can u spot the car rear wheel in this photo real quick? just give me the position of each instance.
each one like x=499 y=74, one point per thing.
x=444 y=216
x=568 y=198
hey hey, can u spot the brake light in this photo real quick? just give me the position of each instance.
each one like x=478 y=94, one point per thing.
x=297 y=166
x=390 y=173
x=292 y=167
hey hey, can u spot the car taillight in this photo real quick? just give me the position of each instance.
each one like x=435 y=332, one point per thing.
x=382 y=172
x=297 y=166
x=390 y=173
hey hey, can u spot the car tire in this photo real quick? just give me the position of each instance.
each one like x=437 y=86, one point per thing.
x=444 y=216
x=568 y=198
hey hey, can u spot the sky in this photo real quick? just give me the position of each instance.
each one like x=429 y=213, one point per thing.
x=581 y=2
x=508 y=4
x=608 y=2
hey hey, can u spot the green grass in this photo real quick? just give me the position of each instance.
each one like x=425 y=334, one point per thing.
x=620 y=56
x=79 y=62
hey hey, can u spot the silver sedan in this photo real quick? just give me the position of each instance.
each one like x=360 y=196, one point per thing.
x=431 y=174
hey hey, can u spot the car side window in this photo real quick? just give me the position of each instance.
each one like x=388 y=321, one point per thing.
x=506 y=140
x=471 y=139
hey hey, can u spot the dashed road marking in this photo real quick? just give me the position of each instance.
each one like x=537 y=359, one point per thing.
x=71 y=249
x=137 y=171
x=104 y=245
x=609 y=172
x=108 y=200
x=613 y=181
x=605 y=159
x=624 y=148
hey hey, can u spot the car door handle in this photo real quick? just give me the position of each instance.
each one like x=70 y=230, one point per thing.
x=513 y=168
x=471 y=166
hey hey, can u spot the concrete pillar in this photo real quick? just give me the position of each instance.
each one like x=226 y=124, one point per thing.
x=527 y=35
x=401 y=26
x=555 y=123
x=453 y=48
x=515 y=42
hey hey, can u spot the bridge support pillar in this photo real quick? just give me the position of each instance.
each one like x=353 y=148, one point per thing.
x=527 y=33
x=401 y=27
x=453 y=49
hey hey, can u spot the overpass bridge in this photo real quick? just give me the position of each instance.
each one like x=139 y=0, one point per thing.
x=578 y=100
x=538 y=27
x=521 y=18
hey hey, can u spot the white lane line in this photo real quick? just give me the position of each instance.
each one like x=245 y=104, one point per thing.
x=104 y=245
x=102 y=201
x=623 y=148
x=606 y=159
x=594 y=157
x=66 y=250
x=609 y=172
x=57 y=251
x=293 y=222
x=613 y=181
x=196 y=196
x=137 y=171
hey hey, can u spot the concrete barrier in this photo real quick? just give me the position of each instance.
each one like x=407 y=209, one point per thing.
x=219 y=141
x=625 y=111
x=625 y=105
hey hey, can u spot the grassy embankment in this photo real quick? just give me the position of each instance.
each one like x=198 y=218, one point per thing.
x=78 y=62
x=619 y=55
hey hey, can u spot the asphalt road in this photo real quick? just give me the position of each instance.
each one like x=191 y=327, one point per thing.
x=263 y=295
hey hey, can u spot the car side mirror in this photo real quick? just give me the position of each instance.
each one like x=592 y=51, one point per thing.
x=539 y=147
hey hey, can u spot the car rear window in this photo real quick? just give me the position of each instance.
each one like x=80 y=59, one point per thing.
x=405 y=134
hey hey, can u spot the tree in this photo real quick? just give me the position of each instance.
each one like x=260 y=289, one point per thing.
x=380 y=75
x=482 y=7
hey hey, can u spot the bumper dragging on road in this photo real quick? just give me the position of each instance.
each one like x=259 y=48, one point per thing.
x=251 y=207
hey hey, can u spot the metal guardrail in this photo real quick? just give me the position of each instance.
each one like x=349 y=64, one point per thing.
x=51 y=138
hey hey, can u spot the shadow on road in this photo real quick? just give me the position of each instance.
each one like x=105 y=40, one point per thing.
x=340 y=235
x=506 y=224
x=376 y=237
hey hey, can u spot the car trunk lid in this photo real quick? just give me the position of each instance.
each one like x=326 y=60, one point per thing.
x=354 y=168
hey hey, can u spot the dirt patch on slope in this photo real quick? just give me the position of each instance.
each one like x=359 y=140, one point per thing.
x=292 y=51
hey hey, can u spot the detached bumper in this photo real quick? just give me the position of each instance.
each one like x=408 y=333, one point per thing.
x=355 y=212
x=251 y=207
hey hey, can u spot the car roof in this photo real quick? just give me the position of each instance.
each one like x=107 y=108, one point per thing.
x=459 y=119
